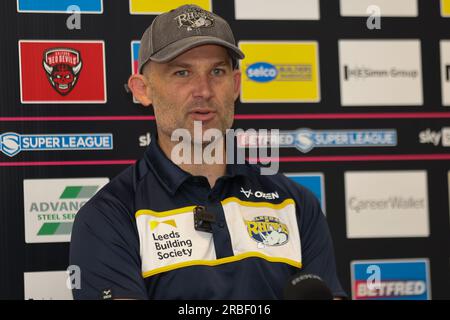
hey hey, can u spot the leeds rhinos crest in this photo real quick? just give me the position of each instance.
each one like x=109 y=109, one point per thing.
x=194 y=18
x=267 y=231
x=62 y=67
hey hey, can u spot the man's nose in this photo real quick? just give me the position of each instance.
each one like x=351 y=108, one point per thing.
x=203 y=86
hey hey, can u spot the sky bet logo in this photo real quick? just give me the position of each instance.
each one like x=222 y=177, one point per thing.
x=305 y=139
x=12 y=143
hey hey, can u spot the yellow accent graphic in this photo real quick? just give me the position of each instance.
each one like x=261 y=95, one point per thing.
x=445 y=8
x=212 y=263
x=154 y=224
x=280 y=71
x=162 y=214
x=159 y=6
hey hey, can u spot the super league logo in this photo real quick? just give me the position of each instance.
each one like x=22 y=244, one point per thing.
x=62 y=67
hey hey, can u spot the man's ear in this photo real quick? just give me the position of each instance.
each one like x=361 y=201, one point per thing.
x=237 y=83
x=140 y=88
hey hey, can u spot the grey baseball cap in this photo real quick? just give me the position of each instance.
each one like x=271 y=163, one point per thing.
x=188 y=26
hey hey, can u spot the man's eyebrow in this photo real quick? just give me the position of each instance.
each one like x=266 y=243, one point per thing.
x=178 y=64
x=175 y=64
x=223 y=63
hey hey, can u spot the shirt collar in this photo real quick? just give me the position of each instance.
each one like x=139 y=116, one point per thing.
x=171 y=176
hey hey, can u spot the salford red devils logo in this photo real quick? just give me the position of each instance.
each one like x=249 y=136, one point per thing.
x=62 y=66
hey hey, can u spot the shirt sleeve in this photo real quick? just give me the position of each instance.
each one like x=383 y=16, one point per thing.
x=317 y=245
x=105 y=246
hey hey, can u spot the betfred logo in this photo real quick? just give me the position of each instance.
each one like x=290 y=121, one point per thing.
x=406 y=279
x=62 y=72
x=135 y=46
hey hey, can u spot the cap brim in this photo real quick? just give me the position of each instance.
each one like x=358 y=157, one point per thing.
x=178 y=47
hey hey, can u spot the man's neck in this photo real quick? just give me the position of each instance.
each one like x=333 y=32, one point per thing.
x=211 y=171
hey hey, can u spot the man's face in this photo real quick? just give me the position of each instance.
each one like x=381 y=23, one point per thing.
x=198 y=85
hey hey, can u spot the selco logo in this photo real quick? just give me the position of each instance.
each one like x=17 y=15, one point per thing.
x=267 y=231
x=262 y=72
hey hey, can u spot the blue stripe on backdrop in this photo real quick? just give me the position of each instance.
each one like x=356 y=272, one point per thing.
x=59 y=5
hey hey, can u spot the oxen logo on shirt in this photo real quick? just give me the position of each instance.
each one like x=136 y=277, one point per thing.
x=267 y=231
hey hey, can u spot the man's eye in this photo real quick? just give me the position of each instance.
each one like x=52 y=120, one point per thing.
x=182 y=73
x=218 y=71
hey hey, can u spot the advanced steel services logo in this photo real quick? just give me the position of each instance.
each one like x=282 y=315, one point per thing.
x=53 y=71
x=12 y=143
x=52 y=204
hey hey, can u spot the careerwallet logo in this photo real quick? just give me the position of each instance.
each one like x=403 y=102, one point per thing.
x=52 y=204
x=381 y=72
x=386 y=204
x=12 y=143
x=269 y=75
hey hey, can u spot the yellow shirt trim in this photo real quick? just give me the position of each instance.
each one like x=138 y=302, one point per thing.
x=259 y=204
x=212 y=263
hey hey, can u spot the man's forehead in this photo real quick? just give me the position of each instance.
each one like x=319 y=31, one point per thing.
x=213 y=53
